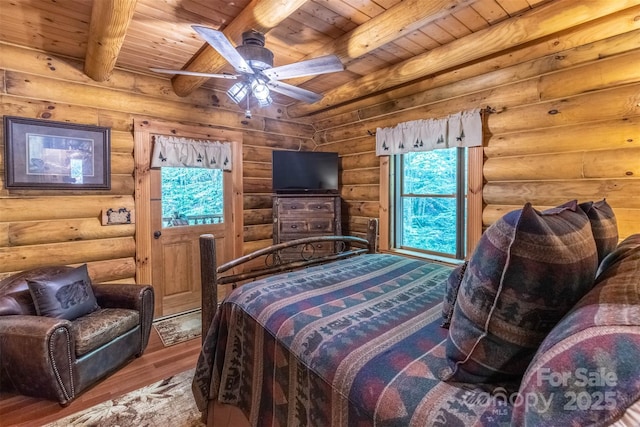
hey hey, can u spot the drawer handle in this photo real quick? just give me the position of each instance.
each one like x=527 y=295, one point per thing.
x=294 y=226
x=318 y=226
x=319 y=207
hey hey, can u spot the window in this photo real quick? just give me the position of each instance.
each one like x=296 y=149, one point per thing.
x=430 y=202
x=192 y=196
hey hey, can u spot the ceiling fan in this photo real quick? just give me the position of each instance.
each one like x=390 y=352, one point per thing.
x=253 y=64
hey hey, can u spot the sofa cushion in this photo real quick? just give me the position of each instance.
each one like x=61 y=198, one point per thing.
x=67 y=295
x=624 y=250
x=603 y=225
x=451 y=293
x=102 y=326
x=528 y=269
x=592 y=352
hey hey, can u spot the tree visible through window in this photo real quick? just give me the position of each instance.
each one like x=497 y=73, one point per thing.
x=192 y=196
x=430 y=202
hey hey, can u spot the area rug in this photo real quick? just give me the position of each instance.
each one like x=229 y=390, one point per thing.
x=177 y=329
x=166 y=403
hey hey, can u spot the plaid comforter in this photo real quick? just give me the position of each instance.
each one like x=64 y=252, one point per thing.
x=356 y=342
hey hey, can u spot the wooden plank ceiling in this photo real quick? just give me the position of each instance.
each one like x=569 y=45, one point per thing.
x=369 y=36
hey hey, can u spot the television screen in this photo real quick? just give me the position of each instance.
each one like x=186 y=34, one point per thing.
x=305 y=171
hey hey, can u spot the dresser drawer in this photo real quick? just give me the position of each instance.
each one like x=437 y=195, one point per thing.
x=311 y=205
x=311 y=227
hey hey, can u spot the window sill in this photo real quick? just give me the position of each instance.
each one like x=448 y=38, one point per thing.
x=424 y=257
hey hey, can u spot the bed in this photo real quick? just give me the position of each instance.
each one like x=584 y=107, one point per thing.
x=356 y=341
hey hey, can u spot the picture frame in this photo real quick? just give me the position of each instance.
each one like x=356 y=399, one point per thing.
x=44 y=154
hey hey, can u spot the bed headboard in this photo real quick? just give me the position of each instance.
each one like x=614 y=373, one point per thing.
x=236 y=271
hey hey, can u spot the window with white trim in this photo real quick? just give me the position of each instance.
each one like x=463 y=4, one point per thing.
x=429 y=202
x=431 y=185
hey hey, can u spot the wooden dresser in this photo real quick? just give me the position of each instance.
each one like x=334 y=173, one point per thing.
x=296 y=216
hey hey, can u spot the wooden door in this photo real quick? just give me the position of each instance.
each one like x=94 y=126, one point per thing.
x=175 y=247
x=171 y=262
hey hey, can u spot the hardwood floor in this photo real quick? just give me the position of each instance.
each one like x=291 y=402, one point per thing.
x=157 y=362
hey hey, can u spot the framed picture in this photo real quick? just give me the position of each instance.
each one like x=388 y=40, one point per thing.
x=42 y=154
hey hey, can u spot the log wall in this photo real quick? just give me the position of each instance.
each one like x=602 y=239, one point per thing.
x=565 y=123
x=63 y=227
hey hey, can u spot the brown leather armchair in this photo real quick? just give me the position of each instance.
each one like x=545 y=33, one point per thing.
x=57 y=359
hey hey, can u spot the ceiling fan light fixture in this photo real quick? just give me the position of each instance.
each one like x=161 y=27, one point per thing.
x=238 y=92
x=265 y=102
x=260 y=89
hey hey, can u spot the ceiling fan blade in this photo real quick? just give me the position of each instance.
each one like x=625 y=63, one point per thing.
x=294 y=91
x=310 y=67
x=195 y=73
x=221 y=43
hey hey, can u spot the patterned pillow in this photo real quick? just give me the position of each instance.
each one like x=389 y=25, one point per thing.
x=67 y=295
x=603 y=226
x=451 y=293
x=586 y=370
x=528 y=270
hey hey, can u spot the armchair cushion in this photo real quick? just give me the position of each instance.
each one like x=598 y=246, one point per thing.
x=67 y=295
x=14 y=291
x=102 y=326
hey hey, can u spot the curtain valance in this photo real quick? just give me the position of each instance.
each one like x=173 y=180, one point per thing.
x=463 y=129
x=171 y=151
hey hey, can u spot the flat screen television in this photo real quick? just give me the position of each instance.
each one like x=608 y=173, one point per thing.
x=305 y=172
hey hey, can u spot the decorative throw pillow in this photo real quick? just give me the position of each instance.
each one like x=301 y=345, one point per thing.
x=528 y=269
x=603 y=226
x=451 y=293
x=67 y=295
x=586 y=370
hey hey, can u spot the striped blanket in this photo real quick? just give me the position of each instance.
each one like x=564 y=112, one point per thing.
x=356 y=342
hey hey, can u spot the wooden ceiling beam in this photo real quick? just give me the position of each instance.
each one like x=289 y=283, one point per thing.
x=541 y=22
x=107 y=30
x=396 y=22
x=259 y=15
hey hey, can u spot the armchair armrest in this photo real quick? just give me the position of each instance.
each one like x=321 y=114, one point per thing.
x=129 y=296
x=38 y=355
x=28 y=327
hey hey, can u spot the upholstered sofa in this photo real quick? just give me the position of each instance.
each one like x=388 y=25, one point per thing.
x=532 y=336
x=59 y=333
x=587 y=370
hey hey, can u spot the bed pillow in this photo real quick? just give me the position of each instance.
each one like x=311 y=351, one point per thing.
x=67 y=295
x=528 y=269
x=603 y=226
x=587 y=369
x=451 y=293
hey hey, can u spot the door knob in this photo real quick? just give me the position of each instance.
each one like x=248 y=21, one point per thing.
x=157 y=234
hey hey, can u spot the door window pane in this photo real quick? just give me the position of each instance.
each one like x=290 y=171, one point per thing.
x=192 y=196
